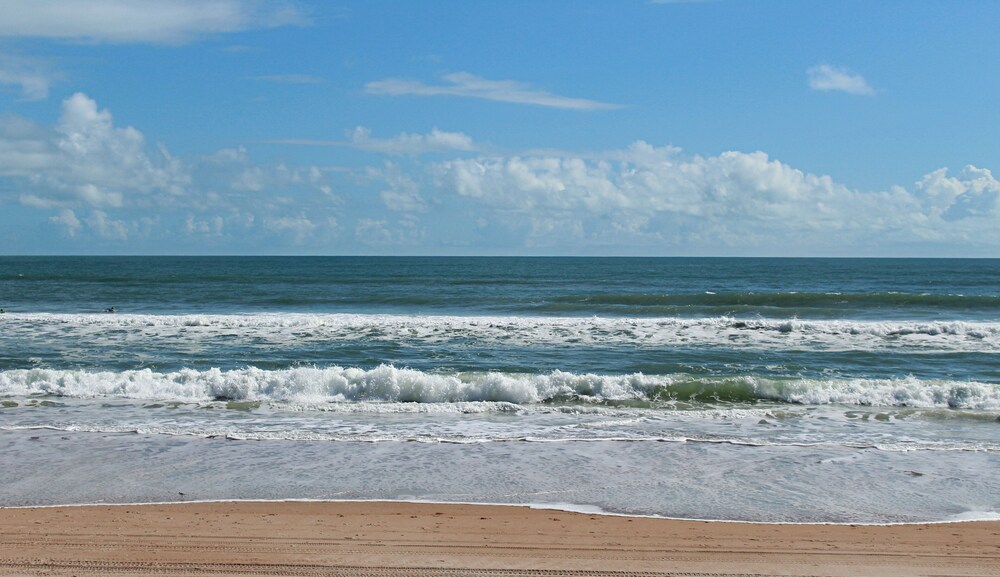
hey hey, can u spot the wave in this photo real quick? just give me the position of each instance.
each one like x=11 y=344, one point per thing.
x=790 y=300
x=386 y=383
x=828 y=335
x=235 y=433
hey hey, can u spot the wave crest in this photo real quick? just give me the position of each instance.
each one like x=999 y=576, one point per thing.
x=385 y=383
x=759 y=333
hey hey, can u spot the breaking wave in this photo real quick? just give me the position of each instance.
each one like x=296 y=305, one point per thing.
x=948 y=336
x=386 y=383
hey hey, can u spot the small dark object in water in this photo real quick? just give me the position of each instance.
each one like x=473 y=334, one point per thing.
x=110 y=310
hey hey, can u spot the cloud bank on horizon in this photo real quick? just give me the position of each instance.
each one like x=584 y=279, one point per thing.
x=251 y=128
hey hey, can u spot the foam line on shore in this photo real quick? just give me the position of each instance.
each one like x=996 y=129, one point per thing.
x=583 y=509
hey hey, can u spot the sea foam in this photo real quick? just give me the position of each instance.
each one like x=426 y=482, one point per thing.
x=385 y=383
x=757 y=333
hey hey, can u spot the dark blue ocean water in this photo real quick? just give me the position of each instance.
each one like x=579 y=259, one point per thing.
x=877 y=289
x=866 y=318
x=591 y=381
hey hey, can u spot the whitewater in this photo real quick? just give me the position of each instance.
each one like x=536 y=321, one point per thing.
x=800 y=390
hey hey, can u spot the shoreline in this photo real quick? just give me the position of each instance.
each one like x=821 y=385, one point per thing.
x=581 y=509
x=405 y=539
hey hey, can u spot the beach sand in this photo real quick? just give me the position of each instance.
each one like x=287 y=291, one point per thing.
x=407 y=539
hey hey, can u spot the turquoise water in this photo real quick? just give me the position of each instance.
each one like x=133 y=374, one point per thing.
x=854 y=390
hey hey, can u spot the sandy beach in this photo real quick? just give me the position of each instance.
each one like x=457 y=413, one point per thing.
x=387 y=539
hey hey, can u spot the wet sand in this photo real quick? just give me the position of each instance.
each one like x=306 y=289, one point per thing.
x=425 y=540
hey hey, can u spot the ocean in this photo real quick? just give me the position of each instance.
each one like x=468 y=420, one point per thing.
x=772 y=390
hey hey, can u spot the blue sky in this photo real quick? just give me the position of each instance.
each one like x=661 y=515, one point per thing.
x=625 y=127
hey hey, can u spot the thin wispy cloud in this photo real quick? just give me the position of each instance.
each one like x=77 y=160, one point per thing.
x=32 y=76
x=406 y=143
x=833 y=78
x=467 y=85
x=402 y=144
x=142 y=21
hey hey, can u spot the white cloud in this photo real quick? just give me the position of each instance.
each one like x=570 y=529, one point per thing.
x=99 y=223
x=974 y=193
x=737 y=200
x=403 y=199
x=212 y=226
x=144 y=21
x=32 y=76
x=643 y=178
x=104 y=181
x=97 y=179
x=299 y=228
x=825 y=78
x=470 y=86
x=406 y=143
x=107 y=227
x=403 y=192
x=68 y=220
x=232 y=169
x=104 y=157
x=84 y=159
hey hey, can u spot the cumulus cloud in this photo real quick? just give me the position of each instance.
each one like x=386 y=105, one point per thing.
x=825 y=78
x=100 y=225
x=640 y=178
x=107 y=227
x=68 y=221
x=98 y=180
x=973 y=193
x=468 y=85
x=734 y=199
x=84 y=159
x=102 y=180
x=145 y=21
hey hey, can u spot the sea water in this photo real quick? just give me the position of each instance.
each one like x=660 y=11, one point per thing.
x=800 y=390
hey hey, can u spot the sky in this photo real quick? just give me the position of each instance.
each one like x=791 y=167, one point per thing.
x=515 y=127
